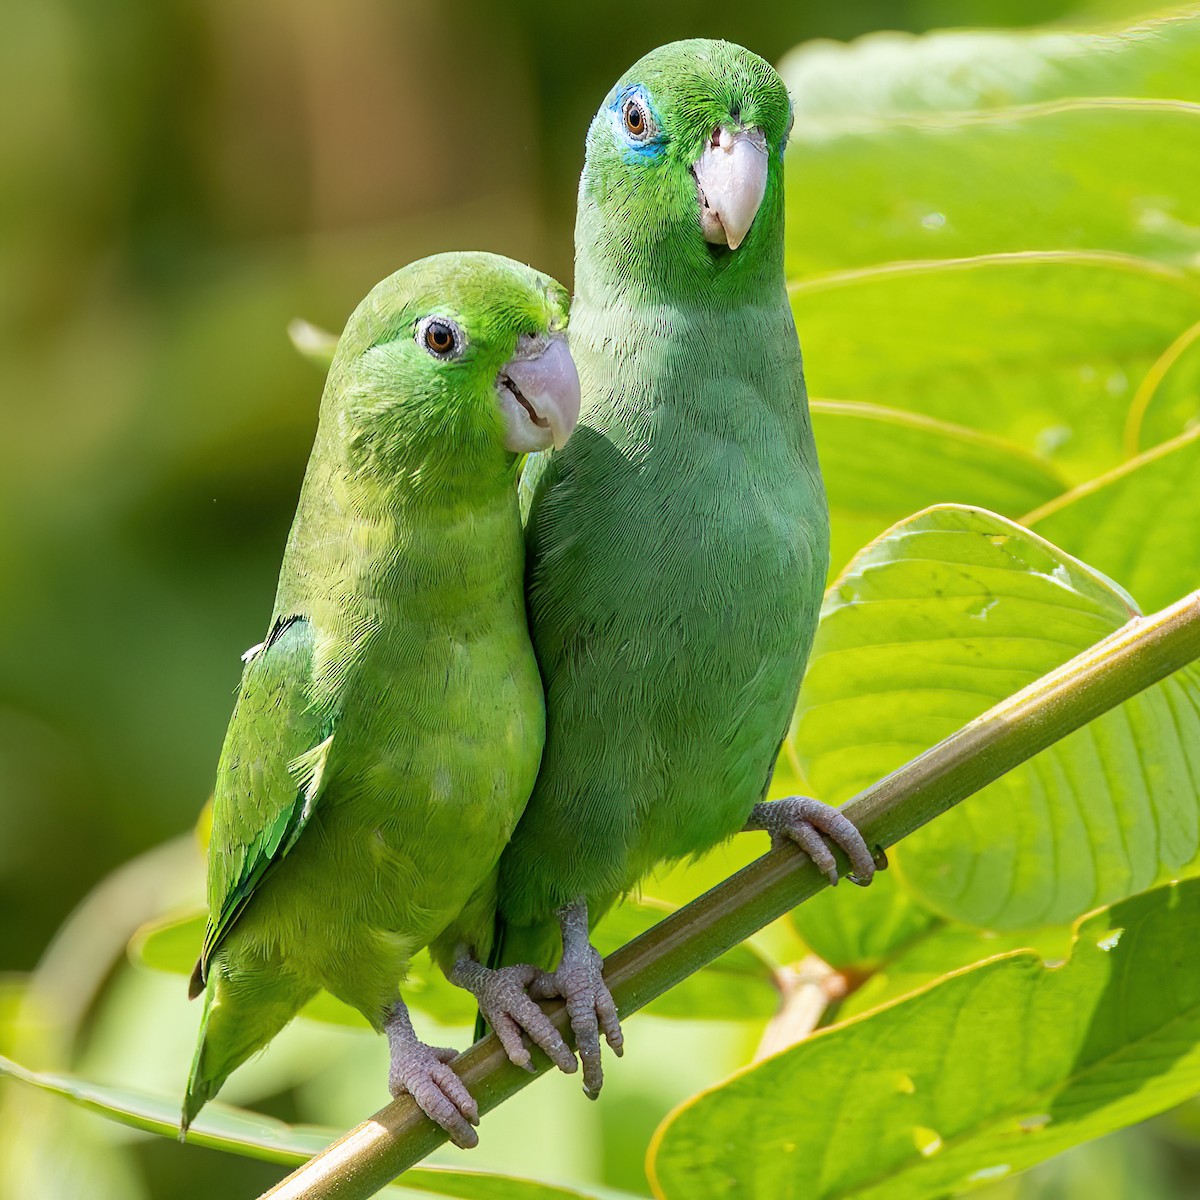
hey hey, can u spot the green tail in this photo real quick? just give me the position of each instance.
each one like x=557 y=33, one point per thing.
x=234 y=1026
x=199 y=1089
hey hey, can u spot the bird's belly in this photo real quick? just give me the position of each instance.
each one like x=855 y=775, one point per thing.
x=720 y=713
x=396 y=848
x=719 y=657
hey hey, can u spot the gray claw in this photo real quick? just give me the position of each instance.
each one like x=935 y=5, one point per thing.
x=803 y=821
x=579 y=980
x=504 y=1000
x=423 y=1072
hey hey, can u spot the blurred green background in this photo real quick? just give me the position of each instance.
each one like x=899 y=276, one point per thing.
x=177 y=181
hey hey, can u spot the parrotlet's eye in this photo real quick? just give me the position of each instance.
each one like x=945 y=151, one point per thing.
x=440 y=337
x=638 y=122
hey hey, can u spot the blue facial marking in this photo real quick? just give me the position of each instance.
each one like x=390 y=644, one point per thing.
x=654 y=142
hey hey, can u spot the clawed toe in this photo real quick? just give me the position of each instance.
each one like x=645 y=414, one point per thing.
x=505 y=1003
x=424 y=1073
x=808 y=822
x=579 y=980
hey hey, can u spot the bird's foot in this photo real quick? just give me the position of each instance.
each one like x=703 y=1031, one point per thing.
x=802 y=820
x=504 y=1002
x=579 y=980
x=423 y=1072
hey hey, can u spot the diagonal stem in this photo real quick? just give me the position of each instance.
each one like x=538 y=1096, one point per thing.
x=1110 y=672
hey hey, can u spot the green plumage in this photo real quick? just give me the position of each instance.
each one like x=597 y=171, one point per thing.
x=677 y=547
x=388 y=731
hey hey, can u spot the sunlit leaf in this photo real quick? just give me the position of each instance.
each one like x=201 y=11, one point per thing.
x=1042 y=349
x=1140 y=524
x=981 y=1075
x=1167 y=402
x=946 y=948
x=1038 y=178
x=886 y=75
x=946 y=614
x=881 y=464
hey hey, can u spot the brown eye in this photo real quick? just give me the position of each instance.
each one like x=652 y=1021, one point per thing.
x=635 y=118
x=440 y=337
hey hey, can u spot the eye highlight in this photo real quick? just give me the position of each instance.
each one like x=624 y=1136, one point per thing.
x=440 y=337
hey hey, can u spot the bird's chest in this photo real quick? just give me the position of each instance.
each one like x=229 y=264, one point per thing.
x=450 y=729
x=709 y=564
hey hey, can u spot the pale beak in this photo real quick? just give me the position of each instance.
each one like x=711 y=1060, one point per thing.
x=731 y=180
x=539 y=394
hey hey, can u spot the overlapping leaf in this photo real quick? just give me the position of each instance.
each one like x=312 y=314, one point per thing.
x=1043 y=349
x=943 y=948
x=1140 y=524
x=946 y=614
x=981 y=1075
x=1168 y=401
x=881 y=464
x=898 y=75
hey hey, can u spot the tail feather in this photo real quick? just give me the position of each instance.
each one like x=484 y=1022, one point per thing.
x=199 y=1089
x=237 y=1021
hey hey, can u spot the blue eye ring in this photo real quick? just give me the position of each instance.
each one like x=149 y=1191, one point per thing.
x=635 y=122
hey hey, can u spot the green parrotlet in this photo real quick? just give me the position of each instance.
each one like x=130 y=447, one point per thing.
x=677 y=547
x=388 y=730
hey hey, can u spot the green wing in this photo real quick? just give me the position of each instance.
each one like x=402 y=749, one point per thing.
x=269 y=778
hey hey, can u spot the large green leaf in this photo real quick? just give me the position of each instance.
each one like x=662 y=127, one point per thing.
x=257 y=1136
x=946 y=614
x=1140 y=524
x=945 y=948
x=895 y=74
x=1075 y=175
x=983 y=1074
x=1044 y=349
x=967 y=143
x=881 y=464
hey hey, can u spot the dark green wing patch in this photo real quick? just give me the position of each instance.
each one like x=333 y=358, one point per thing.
x=269 y=779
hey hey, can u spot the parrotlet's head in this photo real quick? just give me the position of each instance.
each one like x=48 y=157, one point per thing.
x=453 y=367
x=684 y=166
